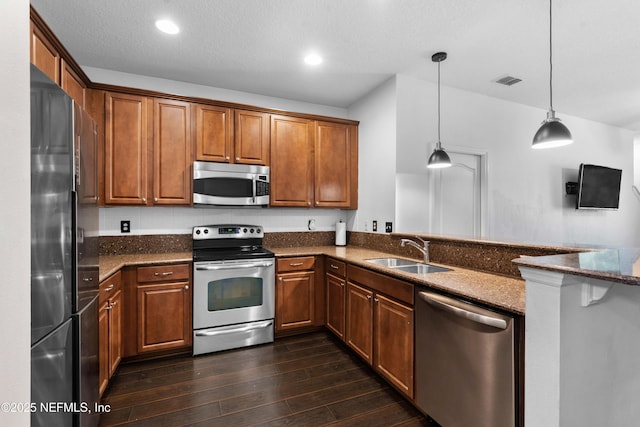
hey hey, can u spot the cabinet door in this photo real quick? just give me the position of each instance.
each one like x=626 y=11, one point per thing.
x=359 y=315
x=393 y=353
x=126 y=155
x=295 y=300
x=164 y=316
x=44 y=55
x=251 y=137
x=103 y=343
x=335 y=305
x=72 y=84
x=214 y=133
x=115 y=332
x=333 y=163
x=171 y=152
x=291 y=161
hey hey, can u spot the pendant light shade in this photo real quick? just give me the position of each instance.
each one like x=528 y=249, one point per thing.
x=439 y=158
x=552 y=133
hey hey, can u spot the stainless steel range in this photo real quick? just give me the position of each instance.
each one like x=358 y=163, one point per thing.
x=233 y=288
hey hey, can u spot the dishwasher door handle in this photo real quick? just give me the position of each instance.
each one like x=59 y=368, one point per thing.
x=478 y=316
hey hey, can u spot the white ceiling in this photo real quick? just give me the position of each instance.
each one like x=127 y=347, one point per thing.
x=257 y=46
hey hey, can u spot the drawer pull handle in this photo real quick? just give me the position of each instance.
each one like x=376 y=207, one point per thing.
x=87 y=279
x=166 y=273
x=335 y=267
x=295 y=264
x=109 y=288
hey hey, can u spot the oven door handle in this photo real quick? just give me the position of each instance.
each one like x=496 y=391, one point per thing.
x=247 y=328
x=233 y=266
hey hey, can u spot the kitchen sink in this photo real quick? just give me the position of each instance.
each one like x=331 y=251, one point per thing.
x=391 y=262
x=407 y=265
x=419 y=268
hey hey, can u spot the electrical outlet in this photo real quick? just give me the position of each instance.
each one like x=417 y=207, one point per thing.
x=311 y=224
x=388 y=227
x=125 y=226
x=374 y=227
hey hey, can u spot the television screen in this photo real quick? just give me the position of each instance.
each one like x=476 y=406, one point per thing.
x=598 y=187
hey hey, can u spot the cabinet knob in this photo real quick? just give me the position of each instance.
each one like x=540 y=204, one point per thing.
x=375 y=299
x=186 y=287
x=227 y=158
x=109 y=307
x=155 y=200
x=238 y=159
x=144 y=200
x=113 y=304
x=368 y=297
x=308 y=203
x=341 y=283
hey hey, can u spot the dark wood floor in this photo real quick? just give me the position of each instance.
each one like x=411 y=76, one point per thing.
x=309 y=380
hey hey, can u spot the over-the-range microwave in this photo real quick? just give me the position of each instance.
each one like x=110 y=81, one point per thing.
x=223 y=184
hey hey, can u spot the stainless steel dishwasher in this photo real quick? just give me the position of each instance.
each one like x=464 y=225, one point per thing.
x=465 y=367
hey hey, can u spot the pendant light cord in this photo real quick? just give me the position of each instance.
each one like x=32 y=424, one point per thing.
x=439 y=145
x=550 y=57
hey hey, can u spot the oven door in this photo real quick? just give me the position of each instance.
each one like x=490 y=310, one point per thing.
x=233 y=292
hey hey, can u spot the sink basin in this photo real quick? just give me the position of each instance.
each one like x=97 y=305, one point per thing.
x=407 y=265
x=391 y=262
x=418 y=268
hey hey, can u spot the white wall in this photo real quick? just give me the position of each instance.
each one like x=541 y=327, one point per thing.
x=98 y=75
x=525 y=187
x=15 y=319
x=177 y=220
x=376 y=157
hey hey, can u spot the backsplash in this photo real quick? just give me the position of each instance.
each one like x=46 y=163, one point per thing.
x=491 y=257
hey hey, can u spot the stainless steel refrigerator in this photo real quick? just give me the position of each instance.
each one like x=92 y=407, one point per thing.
x=64 y=259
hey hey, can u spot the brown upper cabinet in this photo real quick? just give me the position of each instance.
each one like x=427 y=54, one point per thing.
x=231 y=136
x=313 y=164
x=133 y=169
x=171 y=152
x=72 y=83
x=291 y=161
x=44 y=55
x=336 y=165
x=127 y=119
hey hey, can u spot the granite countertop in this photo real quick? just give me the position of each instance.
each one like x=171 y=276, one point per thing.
x=614 y=265
x=110 y=264
x=501 y=292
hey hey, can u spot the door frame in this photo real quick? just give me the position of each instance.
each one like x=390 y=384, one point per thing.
x=434 y=181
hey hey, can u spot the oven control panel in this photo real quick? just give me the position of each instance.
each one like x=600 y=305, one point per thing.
x=227 y=231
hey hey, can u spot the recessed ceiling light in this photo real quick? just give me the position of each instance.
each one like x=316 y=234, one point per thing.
x=167 y=26
x=313 y=59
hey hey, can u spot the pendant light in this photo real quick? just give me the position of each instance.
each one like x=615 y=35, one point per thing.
x=439 y=158
x=552 y=133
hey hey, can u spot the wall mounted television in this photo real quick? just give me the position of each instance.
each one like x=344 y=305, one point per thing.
x=598 y=187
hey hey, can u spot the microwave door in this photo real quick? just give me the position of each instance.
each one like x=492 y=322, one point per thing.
x=223 y=188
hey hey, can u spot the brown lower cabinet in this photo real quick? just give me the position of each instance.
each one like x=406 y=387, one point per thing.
x=158 y=310
x=110 y=327
x=379 y=324
x=163 y=307
x=300 y=298
x=336 y=290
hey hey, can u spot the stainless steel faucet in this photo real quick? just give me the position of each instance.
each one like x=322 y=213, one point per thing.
x=424 y=248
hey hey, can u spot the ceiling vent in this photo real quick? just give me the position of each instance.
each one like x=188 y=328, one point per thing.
x=508 y=80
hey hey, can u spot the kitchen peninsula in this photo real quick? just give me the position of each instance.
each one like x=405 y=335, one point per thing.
x=582 y=338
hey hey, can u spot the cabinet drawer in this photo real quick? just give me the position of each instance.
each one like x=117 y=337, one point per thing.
x=163 y=273
x=336 y=267
x=296 y=263
x=395 y=288
x=109 y=287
